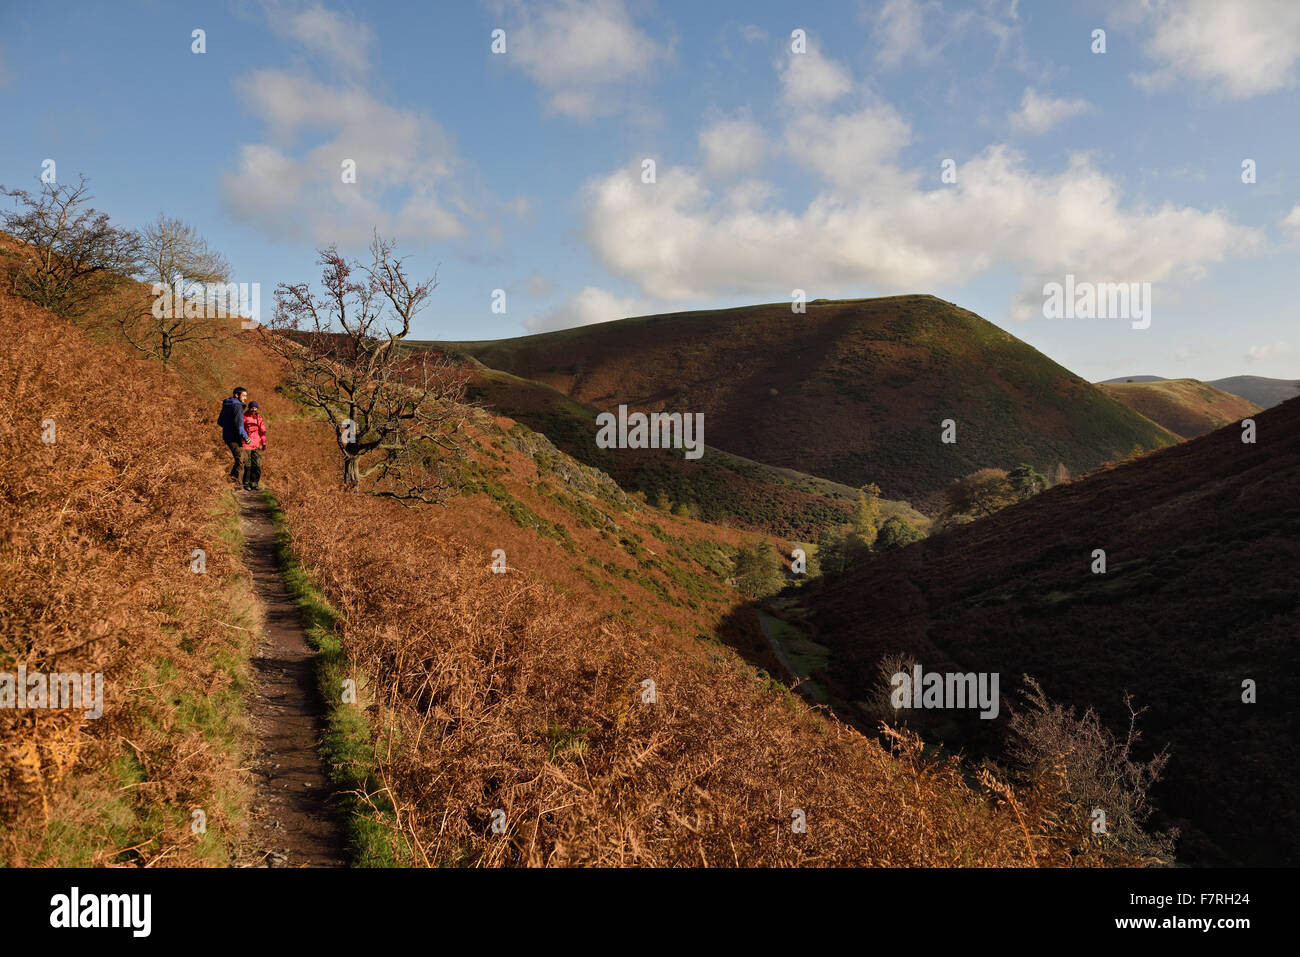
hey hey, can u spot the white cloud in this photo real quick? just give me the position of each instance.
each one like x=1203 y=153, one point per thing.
x=1291 y=222
x=583 y=53
x=841 y=148
x=409 y=177
x=404 y=165
x=1278 y=350
x=810 y=79
x=920 y=30
x=1239 y=50
x=589 y=305
x=337 y=39
x=899 y=33
x=1038 y=113
x=1002 y=22
x=732 y=145
x=877 y=224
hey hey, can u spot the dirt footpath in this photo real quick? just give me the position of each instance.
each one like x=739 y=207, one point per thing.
x=293 y=823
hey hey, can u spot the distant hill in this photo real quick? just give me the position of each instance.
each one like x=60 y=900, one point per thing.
x=1203 y=549
x=853 y=390
x=1186 y=407
x=1260 y=390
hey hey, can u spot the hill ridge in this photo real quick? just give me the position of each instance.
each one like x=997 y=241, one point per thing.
x=852 y=390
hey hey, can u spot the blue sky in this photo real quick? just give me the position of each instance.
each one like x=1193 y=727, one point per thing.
x=774 y=169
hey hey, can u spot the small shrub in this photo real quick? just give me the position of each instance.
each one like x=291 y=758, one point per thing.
x=1099 y=767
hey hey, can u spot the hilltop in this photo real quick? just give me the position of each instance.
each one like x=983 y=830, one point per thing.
x=853 y=391
x=1186 y=407
x=1262 y=391
x=1202 y=543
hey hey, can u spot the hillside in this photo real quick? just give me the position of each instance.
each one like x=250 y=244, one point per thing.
x=1186 y=407
x=101 y=522
x=853 y=390
x=1203 y=550
x=523 y=692
x=718 y=487
x=1263 y=391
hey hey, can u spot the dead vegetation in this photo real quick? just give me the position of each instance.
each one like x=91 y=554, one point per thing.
x=511 y=720
x=497 y=701
x=99 y=529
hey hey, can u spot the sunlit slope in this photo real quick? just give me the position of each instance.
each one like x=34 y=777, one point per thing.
x=853 y=390
x=1186 y=407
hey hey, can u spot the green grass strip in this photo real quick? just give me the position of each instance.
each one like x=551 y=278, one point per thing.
x=346 y=747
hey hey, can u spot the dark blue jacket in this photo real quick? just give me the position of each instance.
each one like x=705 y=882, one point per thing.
x=231 y=421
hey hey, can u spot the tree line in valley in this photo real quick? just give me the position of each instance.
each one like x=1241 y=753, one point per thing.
x=759 y=572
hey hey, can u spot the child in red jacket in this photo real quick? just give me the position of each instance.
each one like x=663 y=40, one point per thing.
x=255 y=426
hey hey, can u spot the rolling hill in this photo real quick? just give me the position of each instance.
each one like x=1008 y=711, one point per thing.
x=1262 y=391
x=1203 y=549
x=853 y=390
x=1186 y=407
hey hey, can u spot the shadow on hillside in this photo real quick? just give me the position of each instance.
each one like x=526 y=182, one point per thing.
x=753 y=629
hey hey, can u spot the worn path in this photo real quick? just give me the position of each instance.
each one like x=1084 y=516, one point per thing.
x=293 y=823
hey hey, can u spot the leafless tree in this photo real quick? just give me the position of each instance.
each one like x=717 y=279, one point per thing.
x=70 y=252
x=190 y=291
x=395 y=410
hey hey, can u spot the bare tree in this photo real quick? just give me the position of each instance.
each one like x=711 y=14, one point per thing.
x=71 y=252
x=190 y=290
x=395 y=410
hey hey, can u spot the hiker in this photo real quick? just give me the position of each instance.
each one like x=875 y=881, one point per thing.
x=255 y=426
x=233 y=434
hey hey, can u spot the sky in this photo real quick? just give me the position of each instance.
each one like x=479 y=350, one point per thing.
x=795 y=146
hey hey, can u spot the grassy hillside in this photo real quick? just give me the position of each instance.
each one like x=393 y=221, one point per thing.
x=1186 y=407
x=104 y=507
x=718 y=488
x=853 y=390
x=525 y=693
x=1200 y=594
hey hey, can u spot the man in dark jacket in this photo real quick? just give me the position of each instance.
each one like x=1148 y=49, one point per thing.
x=233 y=434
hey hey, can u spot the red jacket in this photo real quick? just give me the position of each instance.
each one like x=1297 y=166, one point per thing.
x=255 y=425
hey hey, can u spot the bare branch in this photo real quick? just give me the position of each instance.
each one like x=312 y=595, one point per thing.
x=395 y=411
